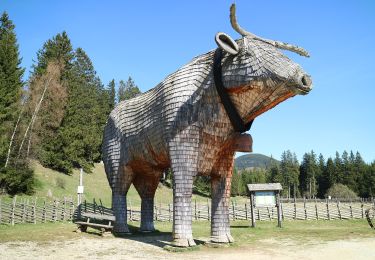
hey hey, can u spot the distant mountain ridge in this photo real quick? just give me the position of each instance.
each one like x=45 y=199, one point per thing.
x=254 y=160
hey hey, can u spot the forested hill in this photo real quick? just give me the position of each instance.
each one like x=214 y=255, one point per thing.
x=254 y=160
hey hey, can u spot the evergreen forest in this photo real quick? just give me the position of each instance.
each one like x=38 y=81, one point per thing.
x=57 y=115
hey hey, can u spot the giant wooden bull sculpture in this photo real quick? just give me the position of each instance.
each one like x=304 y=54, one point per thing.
x=189 y=123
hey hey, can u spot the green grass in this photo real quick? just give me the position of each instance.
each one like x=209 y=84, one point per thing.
x=58 y=185
x=297 y=232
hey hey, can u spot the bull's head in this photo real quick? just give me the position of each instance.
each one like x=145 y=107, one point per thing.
x=255 y=70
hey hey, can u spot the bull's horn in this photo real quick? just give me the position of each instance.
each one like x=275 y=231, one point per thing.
x=277 y=44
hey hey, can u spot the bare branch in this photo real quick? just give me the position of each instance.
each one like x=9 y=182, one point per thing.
x=12 y=138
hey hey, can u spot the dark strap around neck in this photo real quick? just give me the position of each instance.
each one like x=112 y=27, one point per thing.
x=234 y=117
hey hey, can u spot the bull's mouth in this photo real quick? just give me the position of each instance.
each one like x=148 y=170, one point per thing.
x=302 y=89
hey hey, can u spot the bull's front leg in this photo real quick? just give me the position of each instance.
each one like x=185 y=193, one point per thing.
x=184 y=161
x=220 y=192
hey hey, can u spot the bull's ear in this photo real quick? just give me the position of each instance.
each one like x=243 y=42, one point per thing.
x=226 y=43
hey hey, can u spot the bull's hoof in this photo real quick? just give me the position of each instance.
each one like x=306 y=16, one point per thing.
x=225 y=238
x=183 y=242
x=121 y=230
x=147 y=228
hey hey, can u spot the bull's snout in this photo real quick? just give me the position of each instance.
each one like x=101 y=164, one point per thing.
x=305 y=84
x=306 y=81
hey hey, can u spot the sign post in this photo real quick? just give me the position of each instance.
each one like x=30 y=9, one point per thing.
x=265 y=195
x=80 y=187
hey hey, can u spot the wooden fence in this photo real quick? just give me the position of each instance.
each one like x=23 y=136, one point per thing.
x=29 y=211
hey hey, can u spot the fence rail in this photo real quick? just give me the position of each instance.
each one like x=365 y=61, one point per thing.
x=29 y=211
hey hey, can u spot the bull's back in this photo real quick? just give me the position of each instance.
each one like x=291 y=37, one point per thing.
x=139 y=129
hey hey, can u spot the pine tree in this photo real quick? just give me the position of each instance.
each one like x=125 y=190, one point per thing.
x=127 y=90
x=308 y=174
x=11 y=83
x=289 y=168
x=365 y=180
x=112 y=95
x=237 y=185
x=121 y=91
x=59 y=48
x=86 y=113
x=15 y=175
x=338 y=176
x=321 y=178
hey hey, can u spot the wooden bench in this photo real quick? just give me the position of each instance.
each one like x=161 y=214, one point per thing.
x=102 y=222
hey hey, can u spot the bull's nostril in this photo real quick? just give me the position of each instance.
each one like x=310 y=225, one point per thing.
x=306 y=81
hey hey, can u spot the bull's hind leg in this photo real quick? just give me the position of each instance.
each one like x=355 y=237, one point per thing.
x=119 y=190
x=146 y=185
x=220 y=192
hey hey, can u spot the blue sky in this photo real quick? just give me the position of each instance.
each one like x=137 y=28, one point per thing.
x=150 y=39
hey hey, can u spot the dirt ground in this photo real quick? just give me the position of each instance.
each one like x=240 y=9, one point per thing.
x=119 y=248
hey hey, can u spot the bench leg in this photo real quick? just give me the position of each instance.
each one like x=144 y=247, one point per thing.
x=81 y=228
x=105 y=232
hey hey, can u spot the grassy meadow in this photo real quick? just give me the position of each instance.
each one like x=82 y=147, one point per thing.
x=303 y=232
x=53 y=184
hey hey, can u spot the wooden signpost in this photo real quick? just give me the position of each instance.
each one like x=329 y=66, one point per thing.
x=265 y=195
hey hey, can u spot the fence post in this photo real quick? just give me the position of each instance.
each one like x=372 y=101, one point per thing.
x=316 y=210
x=338 y=208
x=12 y=210
x=362 y=210
x=169 y=212
x=282 y=210
x=351 y=209
x=64 y=210
x=208 y=211
x=195 y=209
x=131 y=210
x=252 y=208
x=23 y=211
x=328 y=215
x=71 y=209
x=246 y=217
x=304 y=206
x=295 y=209
x=44 y=212
x=155 y=212
x=34 y=211
x=0 y=210
x=233 y=211
x=269 y=215
x=54 y=211
x=93 y=200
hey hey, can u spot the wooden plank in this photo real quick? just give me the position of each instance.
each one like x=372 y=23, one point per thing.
x=98 y=216
x=89 y=224
x=264 y=187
